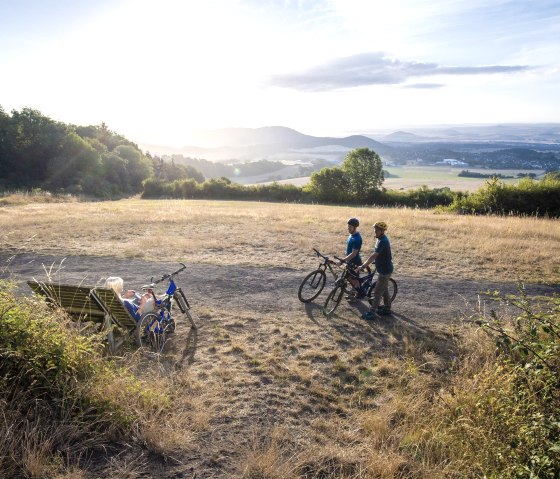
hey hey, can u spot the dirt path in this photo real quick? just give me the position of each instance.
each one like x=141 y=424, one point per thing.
x=265 y=362
x=264 y=290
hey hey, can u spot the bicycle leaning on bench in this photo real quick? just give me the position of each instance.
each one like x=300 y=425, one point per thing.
x=366 y=288
x=314 y=282
x=154 y=326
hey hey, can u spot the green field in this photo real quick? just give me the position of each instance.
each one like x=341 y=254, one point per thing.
x=411 y=177
x=408 y=177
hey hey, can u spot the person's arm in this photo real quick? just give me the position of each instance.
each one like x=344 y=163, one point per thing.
x=370 y=260
x=378 y=250
x=129 y=294
x=351 y=256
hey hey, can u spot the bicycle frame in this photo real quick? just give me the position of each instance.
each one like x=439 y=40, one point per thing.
x=157 y=323
x=365 y=281
x=165 y=301
x=326 y=264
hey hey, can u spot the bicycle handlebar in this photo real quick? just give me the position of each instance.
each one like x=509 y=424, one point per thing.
x=166 y=276
x=326 y=258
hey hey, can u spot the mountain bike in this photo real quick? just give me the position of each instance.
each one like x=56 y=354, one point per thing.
x=154 y=326
x=314 y=282
x=366 y=288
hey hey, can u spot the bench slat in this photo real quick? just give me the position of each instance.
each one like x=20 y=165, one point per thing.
x=86 y=302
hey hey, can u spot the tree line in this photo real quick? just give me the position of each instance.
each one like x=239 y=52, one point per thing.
x=38 y=152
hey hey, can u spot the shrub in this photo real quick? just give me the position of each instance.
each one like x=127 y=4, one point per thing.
x=529 y=197
x=499 y=414
x=61 y=398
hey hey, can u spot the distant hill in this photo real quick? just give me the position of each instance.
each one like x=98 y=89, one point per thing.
x=246 y=144
x=404 y=137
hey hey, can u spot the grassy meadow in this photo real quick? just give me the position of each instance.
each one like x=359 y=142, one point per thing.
x=285 y=393
x=413 y=177
x=409 y=177
x=424 y=242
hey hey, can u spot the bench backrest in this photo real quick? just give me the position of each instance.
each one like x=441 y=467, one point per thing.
x=112 y=304
x=86 y=303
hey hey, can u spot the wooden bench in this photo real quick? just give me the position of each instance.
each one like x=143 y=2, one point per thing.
x=99 y=305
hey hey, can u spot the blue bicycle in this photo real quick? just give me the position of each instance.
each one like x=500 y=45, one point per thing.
x=154 y=326
x=365 y=290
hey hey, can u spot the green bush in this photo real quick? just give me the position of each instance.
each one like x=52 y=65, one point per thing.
x=528 y=197
x=61 y=399
x=529 y=353
x=39 y=353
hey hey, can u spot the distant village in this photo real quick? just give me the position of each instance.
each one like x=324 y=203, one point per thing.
x=505 y=158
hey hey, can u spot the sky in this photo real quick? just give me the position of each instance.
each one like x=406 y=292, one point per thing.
x=158 y=71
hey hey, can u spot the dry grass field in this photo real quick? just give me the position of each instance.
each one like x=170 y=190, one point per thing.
x=267 y=234
x=266 y=387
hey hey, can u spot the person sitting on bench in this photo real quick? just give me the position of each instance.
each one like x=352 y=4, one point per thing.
x=136 y=303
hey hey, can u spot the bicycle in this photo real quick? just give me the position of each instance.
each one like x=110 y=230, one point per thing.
x=366 y=288
x=314 y=282
x=154 y=326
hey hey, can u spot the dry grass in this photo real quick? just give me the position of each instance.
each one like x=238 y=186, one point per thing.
x=269 y=234
x=19 y=198
x=281 y=395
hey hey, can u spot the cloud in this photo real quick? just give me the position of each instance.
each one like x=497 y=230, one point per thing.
x=424 y=86
x=376 y=69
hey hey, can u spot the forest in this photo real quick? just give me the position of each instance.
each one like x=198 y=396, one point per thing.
x=93 y=161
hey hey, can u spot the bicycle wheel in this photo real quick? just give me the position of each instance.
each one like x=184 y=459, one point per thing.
x=312 y=286
x=392 y=287
x=333 y=300
x=150 y=333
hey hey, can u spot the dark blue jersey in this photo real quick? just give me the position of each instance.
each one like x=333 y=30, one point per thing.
x=354 y=242
x=384 y=260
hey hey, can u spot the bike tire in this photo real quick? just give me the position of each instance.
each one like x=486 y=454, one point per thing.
x=333 y=300
x=312 y=285
x=150 y=334
x=392 y=286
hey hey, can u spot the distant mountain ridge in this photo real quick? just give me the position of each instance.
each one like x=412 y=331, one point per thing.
x=278 y=143
x=258 y=143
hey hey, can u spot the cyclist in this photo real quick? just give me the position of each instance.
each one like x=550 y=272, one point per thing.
x=384 y=265
x=353 y=246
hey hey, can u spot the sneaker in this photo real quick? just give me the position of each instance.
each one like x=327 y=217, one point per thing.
x=368 y=315
x=384 y=311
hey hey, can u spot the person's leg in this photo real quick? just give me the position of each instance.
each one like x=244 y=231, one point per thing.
x=386 y=296
x=378 y=292
x=142 y=305
x=132 y=309
x=355 y=283
x=354 y=275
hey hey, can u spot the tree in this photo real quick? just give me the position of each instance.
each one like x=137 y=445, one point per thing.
x=364 y=170
x=329 y=184
x=75 y=159
x=138 y=166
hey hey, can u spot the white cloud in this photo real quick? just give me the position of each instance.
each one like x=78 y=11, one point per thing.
x=154 y=70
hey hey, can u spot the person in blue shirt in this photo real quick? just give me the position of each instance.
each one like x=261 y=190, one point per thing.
x=353 y=247
x=384 y=265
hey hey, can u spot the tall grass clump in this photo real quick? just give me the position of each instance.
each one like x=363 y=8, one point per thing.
x=61 y=399
x=498 y=415
x=35 y=195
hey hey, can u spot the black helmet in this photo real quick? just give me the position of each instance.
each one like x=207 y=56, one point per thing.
x=355 y=222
